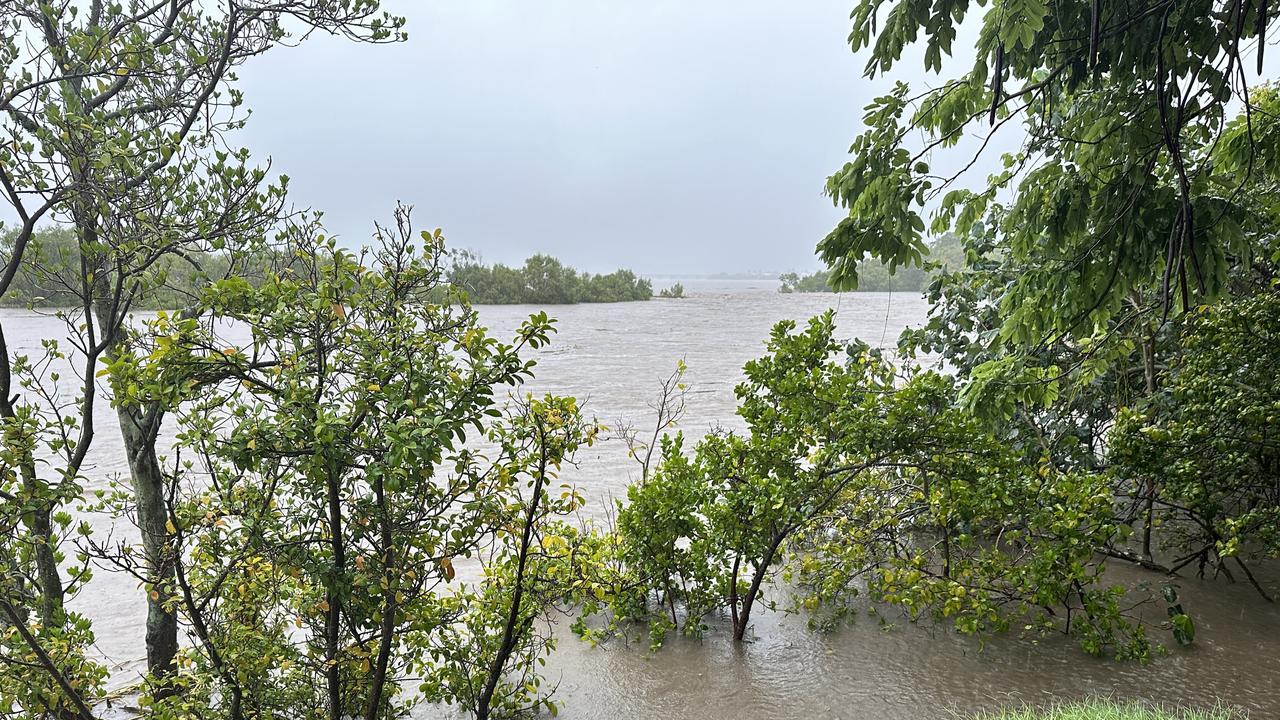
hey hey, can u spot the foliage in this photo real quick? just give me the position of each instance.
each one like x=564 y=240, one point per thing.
x=1053 y=399
x=966 y=530
x=116 y=119
x=543 y=280
x=29 y=649
x=1143 y=188
x=535 y=568
x=325 y=495
x=674 y=292
x=44 y=647
x=796 y=283
x=482 y=612
x=48 y=274
x=852 y=478
x=37 y=280
x=1209 y=435
x=1183 y=627
x=1064 y=396
x=1078 y=244
x=877 y=277
x=664 y=542
x=1127 y=179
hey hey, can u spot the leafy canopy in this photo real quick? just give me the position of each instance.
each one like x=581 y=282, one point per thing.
x=1146 y=162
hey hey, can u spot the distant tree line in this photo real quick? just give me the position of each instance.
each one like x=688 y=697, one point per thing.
x=49 y=275
x=877 y=277
x=543 y=280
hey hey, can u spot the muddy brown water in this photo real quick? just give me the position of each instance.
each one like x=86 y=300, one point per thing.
x=613 y=356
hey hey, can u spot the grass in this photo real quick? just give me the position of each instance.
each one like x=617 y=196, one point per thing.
x=1102 y=709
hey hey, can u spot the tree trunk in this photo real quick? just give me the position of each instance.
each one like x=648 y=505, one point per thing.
x=39 y=520
x=1149 y=374
x=337 y=546
x=40 y=523
x=511 y=632
x=139 y=431
x=387 y=627
x=138 y=428
x=743 y=617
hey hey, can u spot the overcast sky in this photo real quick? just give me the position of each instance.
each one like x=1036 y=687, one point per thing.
x=664 y=136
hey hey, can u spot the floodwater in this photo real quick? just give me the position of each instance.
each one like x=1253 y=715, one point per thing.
x=613 y=358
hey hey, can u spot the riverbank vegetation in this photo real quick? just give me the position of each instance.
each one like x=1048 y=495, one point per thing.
x=543 y=280
x=362 y=509
x=946 y=252
x=845 y=465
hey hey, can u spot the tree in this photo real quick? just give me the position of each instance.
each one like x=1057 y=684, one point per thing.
x=115 y=116
x=488 y=660
x=877 y=277
x=675 y=292
x=1143 y=188
x=326 y=497
x=1133 y=176
x=795 y=283
x=1209 y=435
x=704 y=532
x=548 y=282
x=849 y=477
x=48 y=276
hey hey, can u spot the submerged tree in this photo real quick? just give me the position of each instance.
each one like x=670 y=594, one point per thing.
x=1143 y=188
x=850 y=478
x=1210 y=435
x=945 y=253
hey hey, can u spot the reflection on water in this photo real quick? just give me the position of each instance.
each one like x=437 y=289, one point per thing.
x=612 y=356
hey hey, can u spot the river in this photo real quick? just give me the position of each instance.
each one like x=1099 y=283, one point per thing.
x=613 y=357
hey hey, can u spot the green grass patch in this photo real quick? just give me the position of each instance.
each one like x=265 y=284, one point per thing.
x=1101 y=709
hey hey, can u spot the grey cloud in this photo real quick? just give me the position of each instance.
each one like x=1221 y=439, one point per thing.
x=665 y=136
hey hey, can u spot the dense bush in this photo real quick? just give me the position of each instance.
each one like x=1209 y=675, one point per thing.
x=1207 y=444
x=851 y=480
